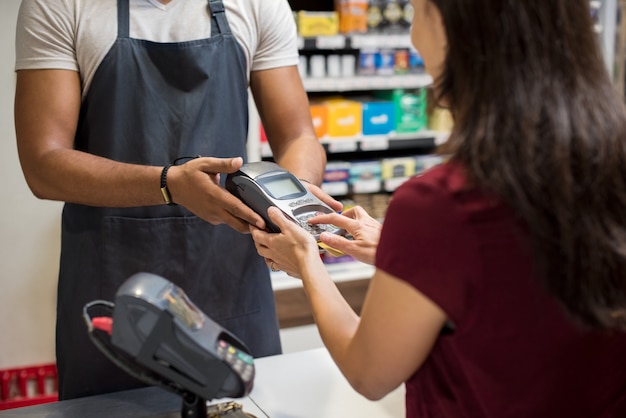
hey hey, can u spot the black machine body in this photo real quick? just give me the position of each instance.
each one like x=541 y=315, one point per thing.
x=159 y=336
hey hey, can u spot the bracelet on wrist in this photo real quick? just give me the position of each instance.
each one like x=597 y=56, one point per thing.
x=167 y=196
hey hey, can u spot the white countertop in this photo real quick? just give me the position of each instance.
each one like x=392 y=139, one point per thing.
x=308 y=384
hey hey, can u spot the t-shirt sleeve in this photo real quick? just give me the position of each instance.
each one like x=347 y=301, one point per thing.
x=425 y=242
x=44 y=36
x=278 y=42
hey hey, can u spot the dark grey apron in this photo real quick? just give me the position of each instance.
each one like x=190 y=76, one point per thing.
x=150 y=103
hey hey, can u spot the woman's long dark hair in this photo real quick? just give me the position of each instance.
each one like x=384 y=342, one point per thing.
x=538 y=121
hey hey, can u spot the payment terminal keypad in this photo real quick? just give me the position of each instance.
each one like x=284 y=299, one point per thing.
x=239 y=360
x=315 y=230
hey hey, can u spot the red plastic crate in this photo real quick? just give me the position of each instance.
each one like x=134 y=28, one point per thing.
x=28 y=386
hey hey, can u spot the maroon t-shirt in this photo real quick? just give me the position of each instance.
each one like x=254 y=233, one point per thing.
x=513 y=352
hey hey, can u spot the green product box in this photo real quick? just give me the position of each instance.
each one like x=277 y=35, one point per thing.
x=410 y=108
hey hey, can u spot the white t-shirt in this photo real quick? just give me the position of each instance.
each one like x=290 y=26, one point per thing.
x=77 y=34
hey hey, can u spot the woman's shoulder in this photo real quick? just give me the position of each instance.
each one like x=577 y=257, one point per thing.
x=447 y=186
x=445 y=178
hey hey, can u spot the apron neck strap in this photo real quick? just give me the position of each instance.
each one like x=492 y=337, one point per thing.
x=123 y=19
x=219 y=24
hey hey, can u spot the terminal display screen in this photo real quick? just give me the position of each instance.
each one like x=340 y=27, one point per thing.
x=281 y=187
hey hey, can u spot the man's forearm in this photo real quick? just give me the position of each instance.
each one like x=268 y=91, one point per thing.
x=305 y=158
x=77 y=177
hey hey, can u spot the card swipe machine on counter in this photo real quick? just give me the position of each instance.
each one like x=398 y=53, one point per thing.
x=156 y=334
x=263 y=184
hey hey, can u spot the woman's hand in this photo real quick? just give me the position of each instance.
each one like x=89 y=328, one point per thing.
x=292 y=250
x=364 y=229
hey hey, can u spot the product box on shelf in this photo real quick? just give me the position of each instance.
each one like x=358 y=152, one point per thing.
x=385 y=62
x=397 y=167
x=365 y=176
x=416 y=63
x=374 y=16
x=382 y=61
x=426 y=162
x=395 y=171
x=337 y=171
x=344 y=117
x=393 y=16
x=319 y=116
x=352 y=15
x=348 y=65
x=407 y=14
x=440 y=120
x=401 y=61
x=410 y=108
x=336 y=180
x=311 y=24
x=378 y=117
x=367 y=61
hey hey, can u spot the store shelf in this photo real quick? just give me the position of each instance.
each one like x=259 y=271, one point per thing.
x=404 y=141
x=373 y=41
x=364 y=83
x=340 y=272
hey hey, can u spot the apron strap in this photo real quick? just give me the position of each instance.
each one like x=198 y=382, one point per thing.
x=219 y=23
x=123 y=19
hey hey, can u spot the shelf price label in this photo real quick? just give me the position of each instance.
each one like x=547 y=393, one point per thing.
x=342 y=145
x=330 y=42
x=375 y=143
x=366 y=186
x=363 y=41
x=336 y=188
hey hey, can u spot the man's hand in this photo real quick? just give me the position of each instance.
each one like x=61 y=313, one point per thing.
x=196 y=186
x=335 y=205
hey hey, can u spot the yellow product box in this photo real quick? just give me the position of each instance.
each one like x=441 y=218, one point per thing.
x=312 y=24
x=395 y=171
x=319 y=116
x=345 y=118
x=397 y=167
x=441 y=120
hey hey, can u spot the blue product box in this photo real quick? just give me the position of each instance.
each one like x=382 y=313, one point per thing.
x=367 y=62
x=378 y=118
x=337 y=178
x=416 y=63
x=385 y=62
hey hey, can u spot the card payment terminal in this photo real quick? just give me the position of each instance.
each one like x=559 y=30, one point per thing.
x=156 y=334
x=263 y=184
